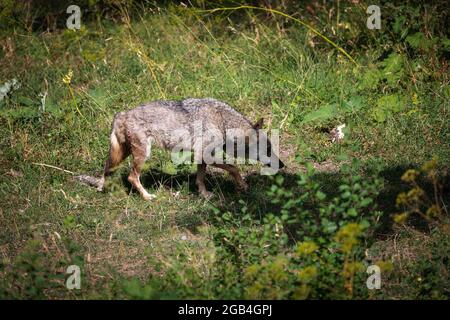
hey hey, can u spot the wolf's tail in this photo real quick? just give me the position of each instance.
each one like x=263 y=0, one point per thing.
x=88 y=180
x=83 y=178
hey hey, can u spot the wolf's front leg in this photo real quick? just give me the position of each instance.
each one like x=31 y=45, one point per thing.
x=133 y=178
x=234 y=172
x=200 y=181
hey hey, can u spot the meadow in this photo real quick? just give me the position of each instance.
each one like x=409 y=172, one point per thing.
x=378 y=197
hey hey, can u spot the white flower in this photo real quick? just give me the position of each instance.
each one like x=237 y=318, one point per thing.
x=337 y=134
x=8 y=87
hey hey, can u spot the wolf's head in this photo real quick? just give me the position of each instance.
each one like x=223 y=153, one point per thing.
x=254 y=145
x=266 y=153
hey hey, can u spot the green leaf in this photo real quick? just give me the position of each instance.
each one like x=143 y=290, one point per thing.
x=419 y=41
x=370 y=79
x=279 y=180
x=446 y=43
x=365 y=202
x=323 y=113
x=69 y=221
x=310 y=168
x=25 y=101
x=399 y=26
x=379 y=115
x=393 y=68
x=20 y=113
x=329 y=226
x=352 y=212
x=346 y=195
x=364 y=224
x=387 y=105
x=354 y=104
x=320 y=195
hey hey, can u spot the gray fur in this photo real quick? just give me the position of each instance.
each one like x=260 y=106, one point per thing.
x=161 y=119
x=160 y=123
x=88 y=180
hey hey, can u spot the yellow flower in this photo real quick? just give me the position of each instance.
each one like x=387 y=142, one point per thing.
x=254 y=291
x=68 y=77
x=410 y=175
x=401 y=218
x=347 y=236
x=429 y=165
x=401 y=199
x=276 y=268
x=302 y=292
x=414 y=194
x=251 y=271
x=433 y=211
x=351 y=268
x=307 y=274
x=306 y=248
x=349 y=230
x=385 y=266
x=415 y=99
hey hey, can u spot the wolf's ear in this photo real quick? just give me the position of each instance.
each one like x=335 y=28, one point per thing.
x=259 y=124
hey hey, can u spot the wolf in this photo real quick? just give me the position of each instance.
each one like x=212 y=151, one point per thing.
x=184 y=124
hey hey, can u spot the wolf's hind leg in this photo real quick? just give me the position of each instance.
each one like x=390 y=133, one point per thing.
x=117 y=153
x=234 y=173
x=140 y=154
x=200 y=180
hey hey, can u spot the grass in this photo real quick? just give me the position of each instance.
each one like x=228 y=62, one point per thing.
x=259 y=70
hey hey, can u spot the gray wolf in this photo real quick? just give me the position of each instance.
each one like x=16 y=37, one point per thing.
x=184 y=125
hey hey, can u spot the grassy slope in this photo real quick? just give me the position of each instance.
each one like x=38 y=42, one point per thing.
x=115 y=67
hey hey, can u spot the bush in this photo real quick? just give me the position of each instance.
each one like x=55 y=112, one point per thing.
x=315 y=246
x=312 y=247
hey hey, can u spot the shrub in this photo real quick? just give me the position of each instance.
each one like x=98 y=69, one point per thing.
x=311 y=247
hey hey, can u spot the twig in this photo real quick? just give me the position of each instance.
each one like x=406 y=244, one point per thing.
x=53 y=167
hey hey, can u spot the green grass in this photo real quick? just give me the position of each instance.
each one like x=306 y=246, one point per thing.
x=260 y=70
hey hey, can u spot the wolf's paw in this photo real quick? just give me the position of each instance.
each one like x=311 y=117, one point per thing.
x=148 y=196
x=207 y=195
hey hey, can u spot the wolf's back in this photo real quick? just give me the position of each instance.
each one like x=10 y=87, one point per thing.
x=215 y=112
x=186 y=110
x=164 y=120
